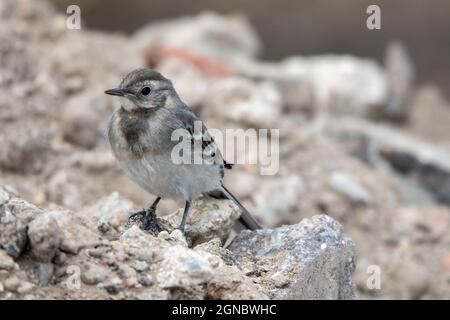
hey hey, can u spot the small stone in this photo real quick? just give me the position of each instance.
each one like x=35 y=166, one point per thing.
x=25 y=287
x=145 y=280
x=183 y=267
x=145 y=255
x=13 y=233
x=2 y=288
x=104 y=227
x=94 y=273
x=45 y=273
x=164 y=235
x=60 y=258
x=6 y=262
x=12 y=283
x=45 y=237
x=141 y=266
x=112 y=288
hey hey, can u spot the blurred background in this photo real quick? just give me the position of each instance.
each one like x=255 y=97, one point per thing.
x=363 y=114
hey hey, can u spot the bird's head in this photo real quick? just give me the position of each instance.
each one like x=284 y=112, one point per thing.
x=143 y=89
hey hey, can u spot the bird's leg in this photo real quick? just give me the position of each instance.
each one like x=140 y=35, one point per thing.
x=147 y=218
x=187 y=211
x=150 y=215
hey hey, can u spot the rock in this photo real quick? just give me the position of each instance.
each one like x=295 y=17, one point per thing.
x=428 y=164
x=45 y=237
x=76 y=234
x=145 y=280
x=112 y=211
x=310 y=260
x=229 y=283
x=12 y=283
x=207 y=35
x=210 y=218
x=348 y=187
x=13 y=233
x=182 y=267
x=25 y=287
x=6 y=262
x=22 y=209
x=94 y=273
x=140 y=266
x=45 y=273
x=4 y=195
x=241 y=100
x=338 y=84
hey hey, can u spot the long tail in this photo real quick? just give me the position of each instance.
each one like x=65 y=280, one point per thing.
x=246 y=218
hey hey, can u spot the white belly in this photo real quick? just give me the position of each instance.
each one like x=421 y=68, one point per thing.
x=163 y=178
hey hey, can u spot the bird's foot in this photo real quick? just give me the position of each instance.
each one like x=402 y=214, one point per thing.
x=146 y=220
x=151 y=221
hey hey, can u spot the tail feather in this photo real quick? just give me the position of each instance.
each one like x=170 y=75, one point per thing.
x=246 y=218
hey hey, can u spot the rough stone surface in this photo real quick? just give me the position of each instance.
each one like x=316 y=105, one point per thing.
x=311 y=260
x=210 y=218
x=13 y=234
x=183 y=268
x=45 y=237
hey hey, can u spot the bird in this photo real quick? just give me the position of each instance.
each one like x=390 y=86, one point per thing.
x=140 y=134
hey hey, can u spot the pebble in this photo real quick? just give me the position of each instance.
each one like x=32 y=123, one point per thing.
x=112 y=288
x=94 y=273
x=25 y=287
x=45 y=273
x=141 y=266
x=12 y=283
x=145 y=280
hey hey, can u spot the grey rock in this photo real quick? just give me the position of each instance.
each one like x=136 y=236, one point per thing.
x=25 y=287
x=12 y=283
x=4 y=195
x=76 y=233
x=346 y=185
x=145 y=280
x=45 y=272
x=310 y=260
x=140 y=266
x=112 y=210
x=182 y=267
x=6 y=262
x=13 y=233
x=45 y=237
x=94 y=273
x=210 y=218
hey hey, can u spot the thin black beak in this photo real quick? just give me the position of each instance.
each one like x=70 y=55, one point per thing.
x=116 y=92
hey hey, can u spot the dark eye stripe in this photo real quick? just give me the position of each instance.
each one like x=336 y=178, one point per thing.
x=145 y=91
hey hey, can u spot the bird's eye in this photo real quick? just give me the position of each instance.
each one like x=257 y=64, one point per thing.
x=145 y=91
